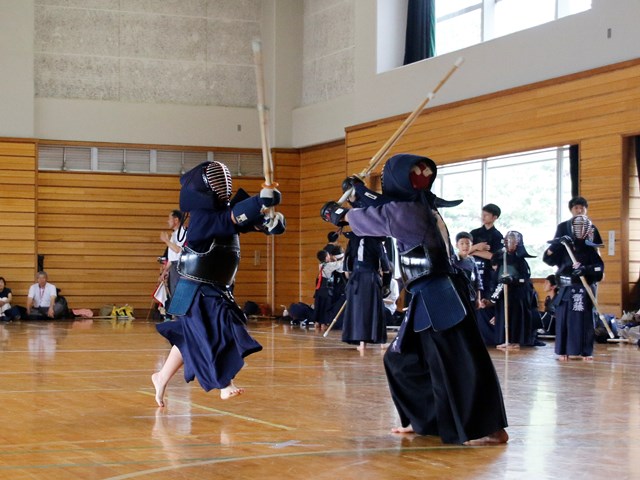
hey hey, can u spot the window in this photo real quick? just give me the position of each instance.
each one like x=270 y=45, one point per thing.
x=531 y=188
x=462 y=23
x=125 y=160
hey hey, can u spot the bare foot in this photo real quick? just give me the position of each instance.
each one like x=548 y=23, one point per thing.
x=384 y=346
x=407 y=429
x=230 y=391
x=563 y=358
x=587 y=359
x=496 y=438
x=508 y=346
x=159 y=386
x=361 y=347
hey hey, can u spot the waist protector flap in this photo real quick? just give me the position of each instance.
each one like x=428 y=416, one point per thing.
x=437 y=304
x=217 y=266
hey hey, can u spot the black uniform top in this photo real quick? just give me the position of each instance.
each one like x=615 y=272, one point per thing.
x=493 y=238
x=556 y=255
x=365 y=251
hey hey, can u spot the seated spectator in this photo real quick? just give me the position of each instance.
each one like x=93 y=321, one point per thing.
x=7 y=312
x=41 y=299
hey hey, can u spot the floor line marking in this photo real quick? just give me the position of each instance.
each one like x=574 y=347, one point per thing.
x=224 y=412
x=281 y=455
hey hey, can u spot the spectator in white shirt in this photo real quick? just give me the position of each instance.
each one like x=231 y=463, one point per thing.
x=41 y=299
x=174 y=245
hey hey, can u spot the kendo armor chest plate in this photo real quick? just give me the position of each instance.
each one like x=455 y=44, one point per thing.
x=217 y=266
x=418 y=263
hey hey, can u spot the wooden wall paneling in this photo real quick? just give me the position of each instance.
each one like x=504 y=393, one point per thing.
x=593 y=108
x=322 y=170
x=18 y=219
x=100 y=232
x=286 y=287
x=601 y=181
x=633 y=227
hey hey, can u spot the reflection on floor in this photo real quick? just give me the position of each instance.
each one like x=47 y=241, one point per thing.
x=77 y=402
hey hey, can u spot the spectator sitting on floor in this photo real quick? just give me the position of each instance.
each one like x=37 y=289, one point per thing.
x=41 y=299
x=7 y=312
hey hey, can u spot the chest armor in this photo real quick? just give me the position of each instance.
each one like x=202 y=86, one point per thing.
x=420 y=262
x=216 y=266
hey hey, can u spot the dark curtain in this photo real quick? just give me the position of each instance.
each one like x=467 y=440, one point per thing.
x=574 y=169
x=420 y=40
x=636 y=144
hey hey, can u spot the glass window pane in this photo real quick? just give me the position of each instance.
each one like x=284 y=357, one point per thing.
x=461 y=182
x=110 y=159
x=565 y=195
x=458 y=32
x=514 y=15
x=526 y=193
x=138 y=161
x=446 y=7
x=569 y=7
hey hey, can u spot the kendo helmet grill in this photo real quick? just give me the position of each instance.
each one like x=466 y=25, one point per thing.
x=217 y=177
x=581 y=227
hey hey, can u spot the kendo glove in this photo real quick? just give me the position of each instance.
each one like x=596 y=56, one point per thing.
x=247 y=211
x=332 y=212
x=579 y=271
x=507 y=280
x=566 y=240
x=351 y=182
x=270 y=197
x=275 y=225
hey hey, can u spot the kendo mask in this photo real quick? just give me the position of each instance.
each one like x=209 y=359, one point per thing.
x=582 y=227
x=514 y=243
x=206 y=186
x=407 y=177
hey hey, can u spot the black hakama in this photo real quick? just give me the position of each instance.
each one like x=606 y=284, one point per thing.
x=574 y=322
x=364 y=317
x=521 y=319
x=442 y=389
x=212 y=339
x=443 y=382
x=323 y=303
x=441 y=378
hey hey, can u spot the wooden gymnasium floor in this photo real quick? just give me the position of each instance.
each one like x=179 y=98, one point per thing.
x=76 y=403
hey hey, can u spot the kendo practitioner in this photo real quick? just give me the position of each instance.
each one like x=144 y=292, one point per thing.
x=323 y=296
x=209 y=336
x=440 y=374
x=574 y=317
x=577 y=206
x=364 y=319
x=522 y=324
x=339 y=279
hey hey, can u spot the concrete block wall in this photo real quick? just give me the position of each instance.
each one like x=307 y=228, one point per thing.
x=190 y=52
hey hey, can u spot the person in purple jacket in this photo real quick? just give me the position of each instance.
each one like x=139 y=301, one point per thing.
x=441 y=377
